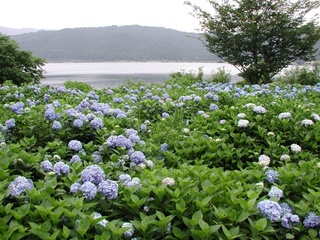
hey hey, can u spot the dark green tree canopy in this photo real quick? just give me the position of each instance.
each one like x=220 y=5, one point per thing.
x=17 y=65
x=260 y=37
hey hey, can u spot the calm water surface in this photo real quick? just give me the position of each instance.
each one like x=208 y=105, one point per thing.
x=113 y=74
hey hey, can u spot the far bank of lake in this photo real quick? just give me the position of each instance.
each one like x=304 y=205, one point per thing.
x=113 y=74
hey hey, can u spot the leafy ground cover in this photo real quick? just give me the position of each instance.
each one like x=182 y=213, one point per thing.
x=181 y=160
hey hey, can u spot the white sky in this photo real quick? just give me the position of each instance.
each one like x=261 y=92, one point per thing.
x=59 y=14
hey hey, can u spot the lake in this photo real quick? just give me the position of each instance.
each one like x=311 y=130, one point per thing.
x=113 y=74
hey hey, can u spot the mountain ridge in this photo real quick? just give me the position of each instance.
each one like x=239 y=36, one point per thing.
x=115 y=43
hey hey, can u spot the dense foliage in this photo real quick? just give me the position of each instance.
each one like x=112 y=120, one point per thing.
x=172 y=161
x=17 y=65
x=260 y=37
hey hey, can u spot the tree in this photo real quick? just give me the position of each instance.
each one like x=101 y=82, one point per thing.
x=260 y=37
x=17 y=65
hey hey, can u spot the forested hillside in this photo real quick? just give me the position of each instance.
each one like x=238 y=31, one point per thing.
x=114 y=43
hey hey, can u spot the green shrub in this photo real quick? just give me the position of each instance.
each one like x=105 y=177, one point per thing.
x=84 y=87
x=220 y=76
x=302 y=75
x=185 y=79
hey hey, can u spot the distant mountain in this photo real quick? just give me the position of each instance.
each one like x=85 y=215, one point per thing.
x=115 y=43
x=16 y=31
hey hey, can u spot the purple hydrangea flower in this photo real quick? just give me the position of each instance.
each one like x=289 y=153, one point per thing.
x=75 y=188
x=143 y=127
x=78 y=123
x=61 y=168
x=285 y=208
x=75 y=158
x=129 y=233
x=17 y=108
x=275 y=192
x=75 y=145
x=213 y=107
x=270 y=210
x=108 y=188
x=50 y=114
x=56 y=125
x=89 y=190
x=289 y=220
x=137 y=157
x=19 y=186
x=93 y=173
x=124 y=178
x=96 y=123
x=165 y=115
x=96 y=157
x=164 y=147
x=11 y=123
x=119 y=141
x=46 y=166
x=272 y=176
x=311 y=220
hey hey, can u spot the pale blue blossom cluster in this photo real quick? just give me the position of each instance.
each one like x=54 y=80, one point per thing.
x=75 y=145
x=119 y=141
x=275 y=192
x=19 y=186
x=137 y=157
x=60 y=168
x=96 y=123
x=272 y=176
x=311 y=220
x=17 y=108
x=108 y=188
x=93 y=173
x=270 y=210
x=47 y=166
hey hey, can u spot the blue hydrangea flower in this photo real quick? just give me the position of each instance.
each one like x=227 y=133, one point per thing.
x=165 y=115
x=134 y=182
x=96 y=157
x=272 y=176
x=124 y=178
x=108 y=188
x=311 y=220
x=270 y=210
x=275 y=192
x=11 y=123
x=19 y=186
x=75 y=188
x=143 y=127
x=56 y=125
x=17 y=108
x=119 y=141
x=129 y=233
x=164 y=147
x=75 y=145
x=285 y=208
x=46 y=166
x=137 y=157
x=89 y=190
x=77 y=123
x=96 y=123
x=61 y=168
x=50 y=114
x=103 y=222
x=93 y=173
x=289 y=220
x=213 y=107
x=75 y=158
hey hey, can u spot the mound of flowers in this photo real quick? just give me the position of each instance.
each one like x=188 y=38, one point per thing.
x=169 y=161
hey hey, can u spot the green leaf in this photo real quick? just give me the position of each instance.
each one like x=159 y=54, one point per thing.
x=243 y=216
x=178 y=233
x=21 y=212
x=65 y=232
x=312 y=233
x=181 y=205
x=261 y=224
x=289 y=236
x=83 y=226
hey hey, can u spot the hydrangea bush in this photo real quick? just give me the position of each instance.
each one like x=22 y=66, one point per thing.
x=201 y=160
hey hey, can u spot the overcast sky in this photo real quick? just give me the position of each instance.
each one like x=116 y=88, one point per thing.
x=59 y=14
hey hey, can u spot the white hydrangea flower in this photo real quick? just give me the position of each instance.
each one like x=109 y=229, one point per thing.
x=241 y=115
x=168 y=181
x=243 y=123
x=264 y=160
x=307 y=122
x=249 y=105
x=284 y=115
x=295 y=148
x=259 y=109
x=315 y=117
x=285 y=157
